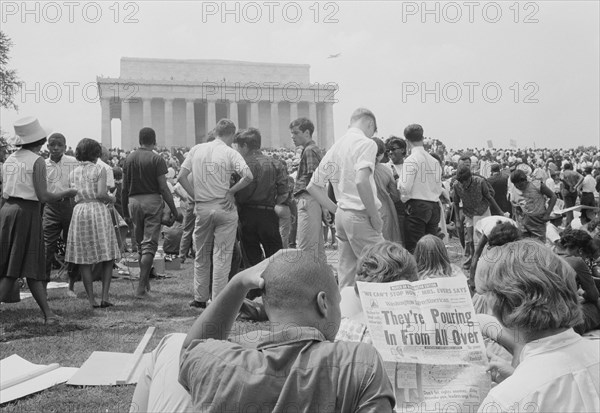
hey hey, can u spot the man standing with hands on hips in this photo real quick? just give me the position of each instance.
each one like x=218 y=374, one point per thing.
x=349 y=165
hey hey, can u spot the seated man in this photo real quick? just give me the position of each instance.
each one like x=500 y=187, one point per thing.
x=298 y=366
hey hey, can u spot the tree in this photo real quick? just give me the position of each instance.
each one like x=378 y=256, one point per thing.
x=9 y=82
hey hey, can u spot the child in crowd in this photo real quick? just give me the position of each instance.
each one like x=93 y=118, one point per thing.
x=92 y=238
x=432 y=259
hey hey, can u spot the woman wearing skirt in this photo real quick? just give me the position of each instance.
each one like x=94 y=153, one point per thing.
x=21 y=237
x=92 y=238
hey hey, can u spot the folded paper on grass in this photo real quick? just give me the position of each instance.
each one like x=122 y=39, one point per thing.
x=104 y=368
x=20 y=378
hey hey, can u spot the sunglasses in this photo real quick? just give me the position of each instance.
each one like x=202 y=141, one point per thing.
x=392 y=149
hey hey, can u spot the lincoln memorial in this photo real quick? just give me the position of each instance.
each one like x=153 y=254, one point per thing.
x=182 y=100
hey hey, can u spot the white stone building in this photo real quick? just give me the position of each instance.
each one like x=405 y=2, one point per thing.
x=182 y=100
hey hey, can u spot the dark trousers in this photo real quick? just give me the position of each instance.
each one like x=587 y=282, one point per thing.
x=422 y=217
x=587 y=198
x=56 y=220
x=570 y=200
x=260 y=227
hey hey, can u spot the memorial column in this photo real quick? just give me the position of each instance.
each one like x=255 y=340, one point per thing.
x=293 y=111
x=168 y=123
x=233 y=113
x=126 y=140
x=105 y=129
x=329 y=135
x=211 y=115
x=253 y=115
x=275 y=139
x=190 y=123
x=312 y=115
x=147 y=112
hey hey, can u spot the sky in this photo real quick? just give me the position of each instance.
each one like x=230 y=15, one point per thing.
x=468 y=72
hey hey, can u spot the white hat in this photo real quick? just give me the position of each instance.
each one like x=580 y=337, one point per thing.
x=28 y=130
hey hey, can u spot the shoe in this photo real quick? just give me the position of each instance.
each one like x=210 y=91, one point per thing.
x=71 y=294
x=53 y=321
x=105 y=304
x=197 y=304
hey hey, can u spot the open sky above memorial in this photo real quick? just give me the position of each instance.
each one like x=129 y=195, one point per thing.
x=469 y=72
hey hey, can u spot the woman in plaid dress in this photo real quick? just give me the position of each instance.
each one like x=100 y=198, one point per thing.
x=92 y=238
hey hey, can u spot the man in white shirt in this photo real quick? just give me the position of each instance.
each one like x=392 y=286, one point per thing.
x=349 y=166
x=212 y=165
x=57 y=214
x=587 y=187
x=420 y=185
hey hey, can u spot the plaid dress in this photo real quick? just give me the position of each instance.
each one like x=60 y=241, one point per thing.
x=92 y=237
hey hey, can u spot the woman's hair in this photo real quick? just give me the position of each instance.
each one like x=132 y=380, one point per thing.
x=575 y=238
x=432 y=258
x=503 y=233
x=386 y=262
x=380 y=146
x=518 y=176
x=30 y=146
x=88 y=150
x=529 y=287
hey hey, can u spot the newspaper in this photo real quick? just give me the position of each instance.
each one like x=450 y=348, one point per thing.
x=430 y=342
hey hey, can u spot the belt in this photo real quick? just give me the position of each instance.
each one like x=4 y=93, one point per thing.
x=422 y=200
x=65 y=199
x=267 y=207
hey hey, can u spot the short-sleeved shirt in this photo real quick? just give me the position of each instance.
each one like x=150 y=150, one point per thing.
x=473 y=195
x=531 y=200
x=269 y=181
x=57 y=173
x=420 y=177
x=294 y=369
x=571 y=178
x=141 y=171
x=588 y=184
x=212 y=164
x=309 y=162
x=110 y=174
x=486 y=225
x=349 y=154
x=17 y=175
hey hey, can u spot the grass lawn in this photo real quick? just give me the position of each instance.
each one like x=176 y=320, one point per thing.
x=84 y=330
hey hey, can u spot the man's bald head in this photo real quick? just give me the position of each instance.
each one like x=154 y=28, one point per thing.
x=294 y=278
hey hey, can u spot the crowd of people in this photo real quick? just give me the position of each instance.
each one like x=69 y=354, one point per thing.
x=256 y=220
